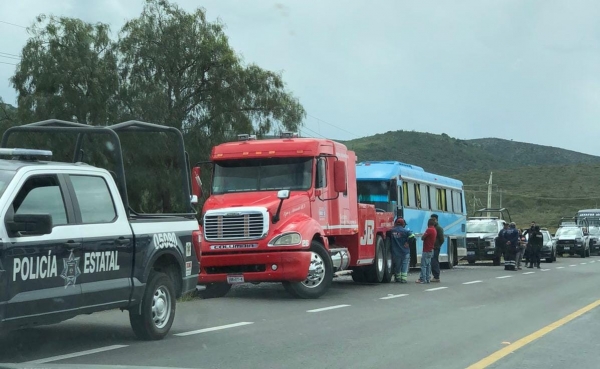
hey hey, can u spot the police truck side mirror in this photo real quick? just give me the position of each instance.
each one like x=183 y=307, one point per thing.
x=196 y=185
x=339 y=176
x=29 y=225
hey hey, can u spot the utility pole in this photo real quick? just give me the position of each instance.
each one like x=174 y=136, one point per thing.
x=489 y=199
x=500 y=198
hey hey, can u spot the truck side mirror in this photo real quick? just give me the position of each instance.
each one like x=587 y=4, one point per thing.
x=196 y=185
x=29 y=224
x=339 y=176
x=283 y=194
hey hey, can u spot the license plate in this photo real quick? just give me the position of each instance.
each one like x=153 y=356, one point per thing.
x=567 y=248
x=491 y=252
x=234 y=279
x=470 y=252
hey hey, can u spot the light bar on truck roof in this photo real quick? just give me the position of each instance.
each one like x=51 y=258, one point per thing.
x=246 y=137
x=288 y=135
x=25 y=152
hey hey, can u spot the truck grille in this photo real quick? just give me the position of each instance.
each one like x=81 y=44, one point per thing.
x=237 y=226
x=473 y=243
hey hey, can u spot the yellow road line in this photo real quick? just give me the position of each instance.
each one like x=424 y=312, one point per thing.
x=484 y=363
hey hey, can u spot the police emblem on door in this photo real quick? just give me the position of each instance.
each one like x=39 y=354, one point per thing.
x=70 y=270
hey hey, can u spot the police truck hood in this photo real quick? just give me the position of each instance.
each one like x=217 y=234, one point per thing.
x=481 y=235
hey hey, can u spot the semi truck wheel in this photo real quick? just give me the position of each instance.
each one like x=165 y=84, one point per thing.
x=358 y=275
x=320 y=275
x=214 y=290
x=377 y=269
x=388 y=271
x=153 y=321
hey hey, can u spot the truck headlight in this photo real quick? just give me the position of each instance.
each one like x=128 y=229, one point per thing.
x=286 y=239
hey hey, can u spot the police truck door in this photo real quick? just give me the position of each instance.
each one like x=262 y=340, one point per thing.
x=43 y=270
x=107 y=240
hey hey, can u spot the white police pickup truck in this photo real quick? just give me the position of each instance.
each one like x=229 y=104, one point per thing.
x=70 y=244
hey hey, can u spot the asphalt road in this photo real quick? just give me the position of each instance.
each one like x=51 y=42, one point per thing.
x=473 y=313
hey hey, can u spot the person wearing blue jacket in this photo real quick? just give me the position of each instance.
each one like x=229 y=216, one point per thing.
x=400 y=236
x=512 y=242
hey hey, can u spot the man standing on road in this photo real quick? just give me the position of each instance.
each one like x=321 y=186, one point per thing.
x=400 y=249
x=439 y=240
x=520 y=249
x=530 y=230
x=536 y=240
x=501 y=241
x=512 y=238
x=428 y=242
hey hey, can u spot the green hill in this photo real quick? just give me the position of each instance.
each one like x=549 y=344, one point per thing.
x=445 y=155
x=543 y=193
x=538 y=182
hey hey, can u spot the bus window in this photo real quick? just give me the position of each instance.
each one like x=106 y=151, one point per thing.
x=393 y=191
x=425 y=196
x=417 y=195
x=432 y=198
x=405 y=194
x=441 y=199
x=411 y=196
x=449 y=201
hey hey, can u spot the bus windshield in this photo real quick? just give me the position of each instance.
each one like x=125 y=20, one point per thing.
x=591 y=221
x=270 y=174
x=375 y=193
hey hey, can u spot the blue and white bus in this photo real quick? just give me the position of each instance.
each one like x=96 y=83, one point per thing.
x=412 y=193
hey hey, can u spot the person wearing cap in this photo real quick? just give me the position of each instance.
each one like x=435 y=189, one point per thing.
x=428 y=241
x=439 y=240
x=400 y=236
x=512 y=242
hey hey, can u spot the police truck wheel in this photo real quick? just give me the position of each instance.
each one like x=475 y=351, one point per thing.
x=320 y=275
x=388 y=272
x=214 y=290
x=377 y=269
x=155 y=318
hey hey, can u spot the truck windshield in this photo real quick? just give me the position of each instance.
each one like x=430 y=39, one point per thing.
x=480 y=227
x=592 y=221
x=262 y=175
x=5 y=178
x=568 y=232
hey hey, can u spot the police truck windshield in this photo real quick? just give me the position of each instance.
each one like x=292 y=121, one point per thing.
x=568 y=232
x=262 y=175
x=481 y=227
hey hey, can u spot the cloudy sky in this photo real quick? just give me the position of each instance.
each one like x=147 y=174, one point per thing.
x=514 y=69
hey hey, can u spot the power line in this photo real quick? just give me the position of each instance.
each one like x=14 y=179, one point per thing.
x=9 y=57
x=8 y=63
x=12 y=24
x=9 y=54
x=333 y=125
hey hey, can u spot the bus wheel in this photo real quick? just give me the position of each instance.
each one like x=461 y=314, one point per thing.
x=450 y=263
x=388 y=272
x=376 y=271
x=319 y=277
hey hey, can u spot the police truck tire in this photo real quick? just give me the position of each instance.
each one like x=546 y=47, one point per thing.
x=154 y=318
x=388 y=272
x=319 y=276
x=214 y=290
x=376 y=271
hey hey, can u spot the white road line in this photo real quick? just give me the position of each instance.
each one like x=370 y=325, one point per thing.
x=472 y=282
x=76 y=354
x=593 y=261
x=560 y=267
x=504 y=276
x=436 y=289
x=545 y=270
x=572 y=265
x=393 y=296
x=528 y=272
x=582 y=263
x=326 y=308
x=213 y=329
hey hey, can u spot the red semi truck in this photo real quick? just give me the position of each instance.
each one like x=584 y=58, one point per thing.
x=285 y=210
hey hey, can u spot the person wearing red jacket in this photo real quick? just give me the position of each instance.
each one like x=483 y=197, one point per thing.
x=428 y=242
